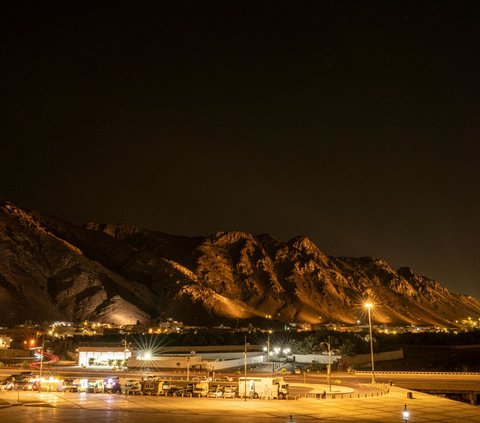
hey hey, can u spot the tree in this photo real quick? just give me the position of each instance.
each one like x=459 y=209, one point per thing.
x=348 y=347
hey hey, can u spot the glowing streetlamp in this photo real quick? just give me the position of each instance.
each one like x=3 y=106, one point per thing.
x=147 y=356
x=369 y=306
x=405 y=414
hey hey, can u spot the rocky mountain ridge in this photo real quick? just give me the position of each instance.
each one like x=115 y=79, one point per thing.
x=52 y=269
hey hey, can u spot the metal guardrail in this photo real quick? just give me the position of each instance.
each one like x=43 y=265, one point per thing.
x=369 y=372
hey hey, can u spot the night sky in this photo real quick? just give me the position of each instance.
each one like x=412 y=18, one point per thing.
x=355 y=123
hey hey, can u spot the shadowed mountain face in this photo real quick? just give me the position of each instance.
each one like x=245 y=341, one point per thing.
x=51 y=269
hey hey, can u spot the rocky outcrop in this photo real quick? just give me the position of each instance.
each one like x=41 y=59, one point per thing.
x=51 y=269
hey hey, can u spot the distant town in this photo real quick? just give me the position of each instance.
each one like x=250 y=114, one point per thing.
x=121 y=346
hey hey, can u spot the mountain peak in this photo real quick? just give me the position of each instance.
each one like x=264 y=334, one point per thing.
x=52 y=269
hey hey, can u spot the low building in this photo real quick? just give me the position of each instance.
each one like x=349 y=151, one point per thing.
x=212 y=358
x=103 y=356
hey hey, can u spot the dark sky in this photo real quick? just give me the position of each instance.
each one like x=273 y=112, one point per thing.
x=355 y=123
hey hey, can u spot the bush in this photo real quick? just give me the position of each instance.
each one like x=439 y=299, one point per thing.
x=317 y=367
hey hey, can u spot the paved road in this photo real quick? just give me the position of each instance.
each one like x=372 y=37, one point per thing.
x=80 y=407
x=357 y=382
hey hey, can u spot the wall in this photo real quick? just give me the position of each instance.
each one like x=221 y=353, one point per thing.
x=319 y=358
x=366 y=358
x=204 y=362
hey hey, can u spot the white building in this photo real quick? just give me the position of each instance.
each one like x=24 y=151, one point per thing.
x=103 y=356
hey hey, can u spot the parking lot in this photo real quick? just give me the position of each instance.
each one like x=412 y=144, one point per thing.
x=28 y=406
x=221 y=387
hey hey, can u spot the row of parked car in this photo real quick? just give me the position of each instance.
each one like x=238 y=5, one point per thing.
x=28 y=382
x=200 y=387
x=16 y=381
x=197 y=388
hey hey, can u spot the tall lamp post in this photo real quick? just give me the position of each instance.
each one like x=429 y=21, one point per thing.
x=245 y=369
x=329 y=366
x=369 y=306
x=267 y=350
x=41 y=357
x=276 y=353
x=125 y=359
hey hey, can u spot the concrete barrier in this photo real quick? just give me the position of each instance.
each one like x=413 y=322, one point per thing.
x=393 y=373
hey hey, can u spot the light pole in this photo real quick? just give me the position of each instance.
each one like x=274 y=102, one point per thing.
x=41 y=357
x=286 y=352
x=329 y=366
x=276 y=352
x=405 y=414
x=245 y=369
x=267 y=350
x=125 y=360
x=369 y=306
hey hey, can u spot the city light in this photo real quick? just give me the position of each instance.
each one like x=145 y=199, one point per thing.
x=147 y=355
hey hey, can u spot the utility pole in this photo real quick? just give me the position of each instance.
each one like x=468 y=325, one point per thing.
x=268 y=351
x=369 y=306
x=41 y=357
x=329 y=365
x=125 y=359
x=245 y=370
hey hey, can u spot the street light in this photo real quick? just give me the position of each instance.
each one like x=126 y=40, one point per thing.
x=405 y=414
x=329 y=366
x=369 y=306
x=276 y=353
x=41 y=357
x=245 y=369
x=267 y=350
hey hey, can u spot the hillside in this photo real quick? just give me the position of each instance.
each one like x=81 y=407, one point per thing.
x=52 y=269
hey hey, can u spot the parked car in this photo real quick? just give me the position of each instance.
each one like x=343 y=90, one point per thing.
x=112 y=385
x=173 y=389
x=201 y=389
x=215 y=392
x=7 y=385
x=71 y=385
x=184 y=392
x=32 y=385
x=95 y=386
x=133 y=387
x=230 y=392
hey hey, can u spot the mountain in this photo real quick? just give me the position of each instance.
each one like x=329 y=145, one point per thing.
x=52 y=269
